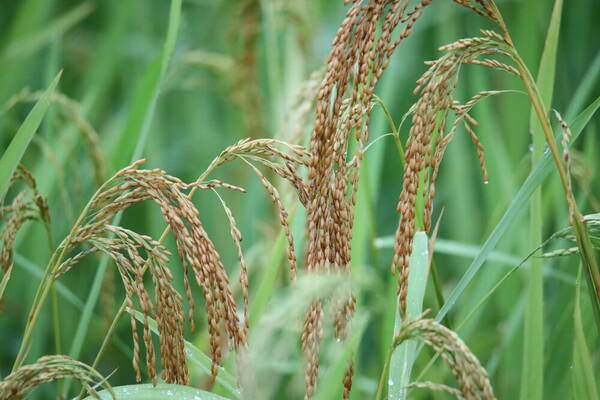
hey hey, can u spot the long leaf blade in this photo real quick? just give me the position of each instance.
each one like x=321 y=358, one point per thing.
x=582 y=373
x=404 y=355
x=133 y=138
x=158 y=392
x=532 y=381
x=13 y=154
x=535 y=178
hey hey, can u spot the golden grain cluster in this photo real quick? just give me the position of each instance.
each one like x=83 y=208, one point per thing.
x=325 y=181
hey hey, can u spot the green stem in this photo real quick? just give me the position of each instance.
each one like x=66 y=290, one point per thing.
x=439 y=294
x=55 y=311
x=46 y=283
x=383 y=385
x=55 y=261
x=582 y=235
x=533 y=347
x=395 y=131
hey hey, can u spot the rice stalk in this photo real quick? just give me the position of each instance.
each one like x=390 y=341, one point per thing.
x=361 y=51
x=429 y=136
x=264 y=150
x=130 y=186
x=195 y=249
x=27 y=205
x=47 y=369
x=592 y=223
x=489 y=10
x=471 y=377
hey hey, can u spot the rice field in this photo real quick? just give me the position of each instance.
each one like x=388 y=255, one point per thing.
x=252 y=199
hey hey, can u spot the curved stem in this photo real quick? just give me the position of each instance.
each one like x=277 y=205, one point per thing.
x=47 y=280
x=582 y=235
x=121 y=310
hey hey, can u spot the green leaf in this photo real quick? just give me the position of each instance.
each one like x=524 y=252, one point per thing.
x=268 y=279
x=132 y=139
x=532 y=380
x=13 y=154
x=582 y=373
x=400 y=360
x=585 y=88
x=535 y=178
x=455 y=248
x=159 y=392
x=547 y=68
x=404 y=356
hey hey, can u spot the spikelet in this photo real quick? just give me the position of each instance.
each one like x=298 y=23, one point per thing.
x=566 y=138
x=592 y=224
x=481 y=7
x=48 y=369
x=361 y=51
x=236 y=237
x=283 y=217
x=283 y=159
x=312 y=333
x=196 y=250
x=471 y=377
x=429 y=117
x=26 y=205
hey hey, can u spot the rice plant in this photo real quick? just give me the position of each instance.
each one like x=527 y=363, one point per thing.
x=302 y=170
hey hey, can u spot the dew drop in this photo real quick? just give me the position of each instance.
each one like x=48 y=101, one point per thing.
x=486 y=182
x=531 y=148
x=390 y=382
x=338 y=340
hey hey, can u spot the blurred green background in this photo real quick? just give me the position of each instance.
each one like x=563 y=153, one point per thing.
x=249 y=68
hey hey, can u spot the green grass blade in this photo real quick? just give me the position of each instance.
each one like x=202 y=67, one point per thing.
x=268 y=279
x=582 y=373
x=158 y=392
x=134 y=136
x=13 y=154
x=532 y=381
x=464 y=250
x=547 y=69
x=586 y=86
x=456 y=248
x=38 y=273
x=403 y=356
x=535 y=178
